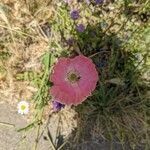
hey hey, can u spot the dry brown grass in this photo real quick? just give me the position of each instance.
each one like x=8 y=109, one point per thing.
x=23 y=40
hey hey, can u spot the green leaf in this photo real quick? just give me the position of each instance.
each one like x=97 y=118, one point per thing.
x=46 y=60
x=27 y=127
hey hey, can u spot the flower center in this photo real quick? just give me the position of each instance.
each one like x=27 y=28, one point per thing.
x=23 y=107
x=73 y=77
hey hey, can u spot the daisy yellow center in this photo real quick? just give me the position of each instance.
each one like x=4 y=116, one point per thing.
x=23 y=107
x=73 y=77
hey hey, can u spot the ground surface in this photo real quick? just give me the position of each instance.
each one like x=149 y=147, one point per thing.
x=13 y=140
x=10 y=139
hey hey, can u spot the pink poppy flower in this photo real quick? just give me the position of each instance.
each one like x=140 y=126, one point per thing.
x=74 y=80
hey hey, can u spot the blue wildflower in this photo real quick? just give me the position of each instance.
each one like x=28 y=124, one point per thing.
x=96 y=1
x=74 y=14
x=99 y=1
x=80 y=28
x=57 y=106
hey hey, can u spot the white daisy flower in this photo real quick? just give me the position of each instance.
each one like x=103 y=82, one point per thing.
x=23 y=107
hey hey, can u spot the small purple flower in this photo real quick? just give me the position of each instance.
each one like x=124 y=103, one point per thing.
x=74 y=14
x=80 y=28
x=57 y=106
x=99 y=1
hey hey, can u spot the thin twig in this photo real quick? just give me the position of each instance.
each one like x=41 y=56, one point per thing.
x=77 y=49
x=50 y=140
x=48 y=120
x=7 y=124
x=36 y=141
x=97 y=53
x=61 y=146
x=18 y=31
x=38 y=129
